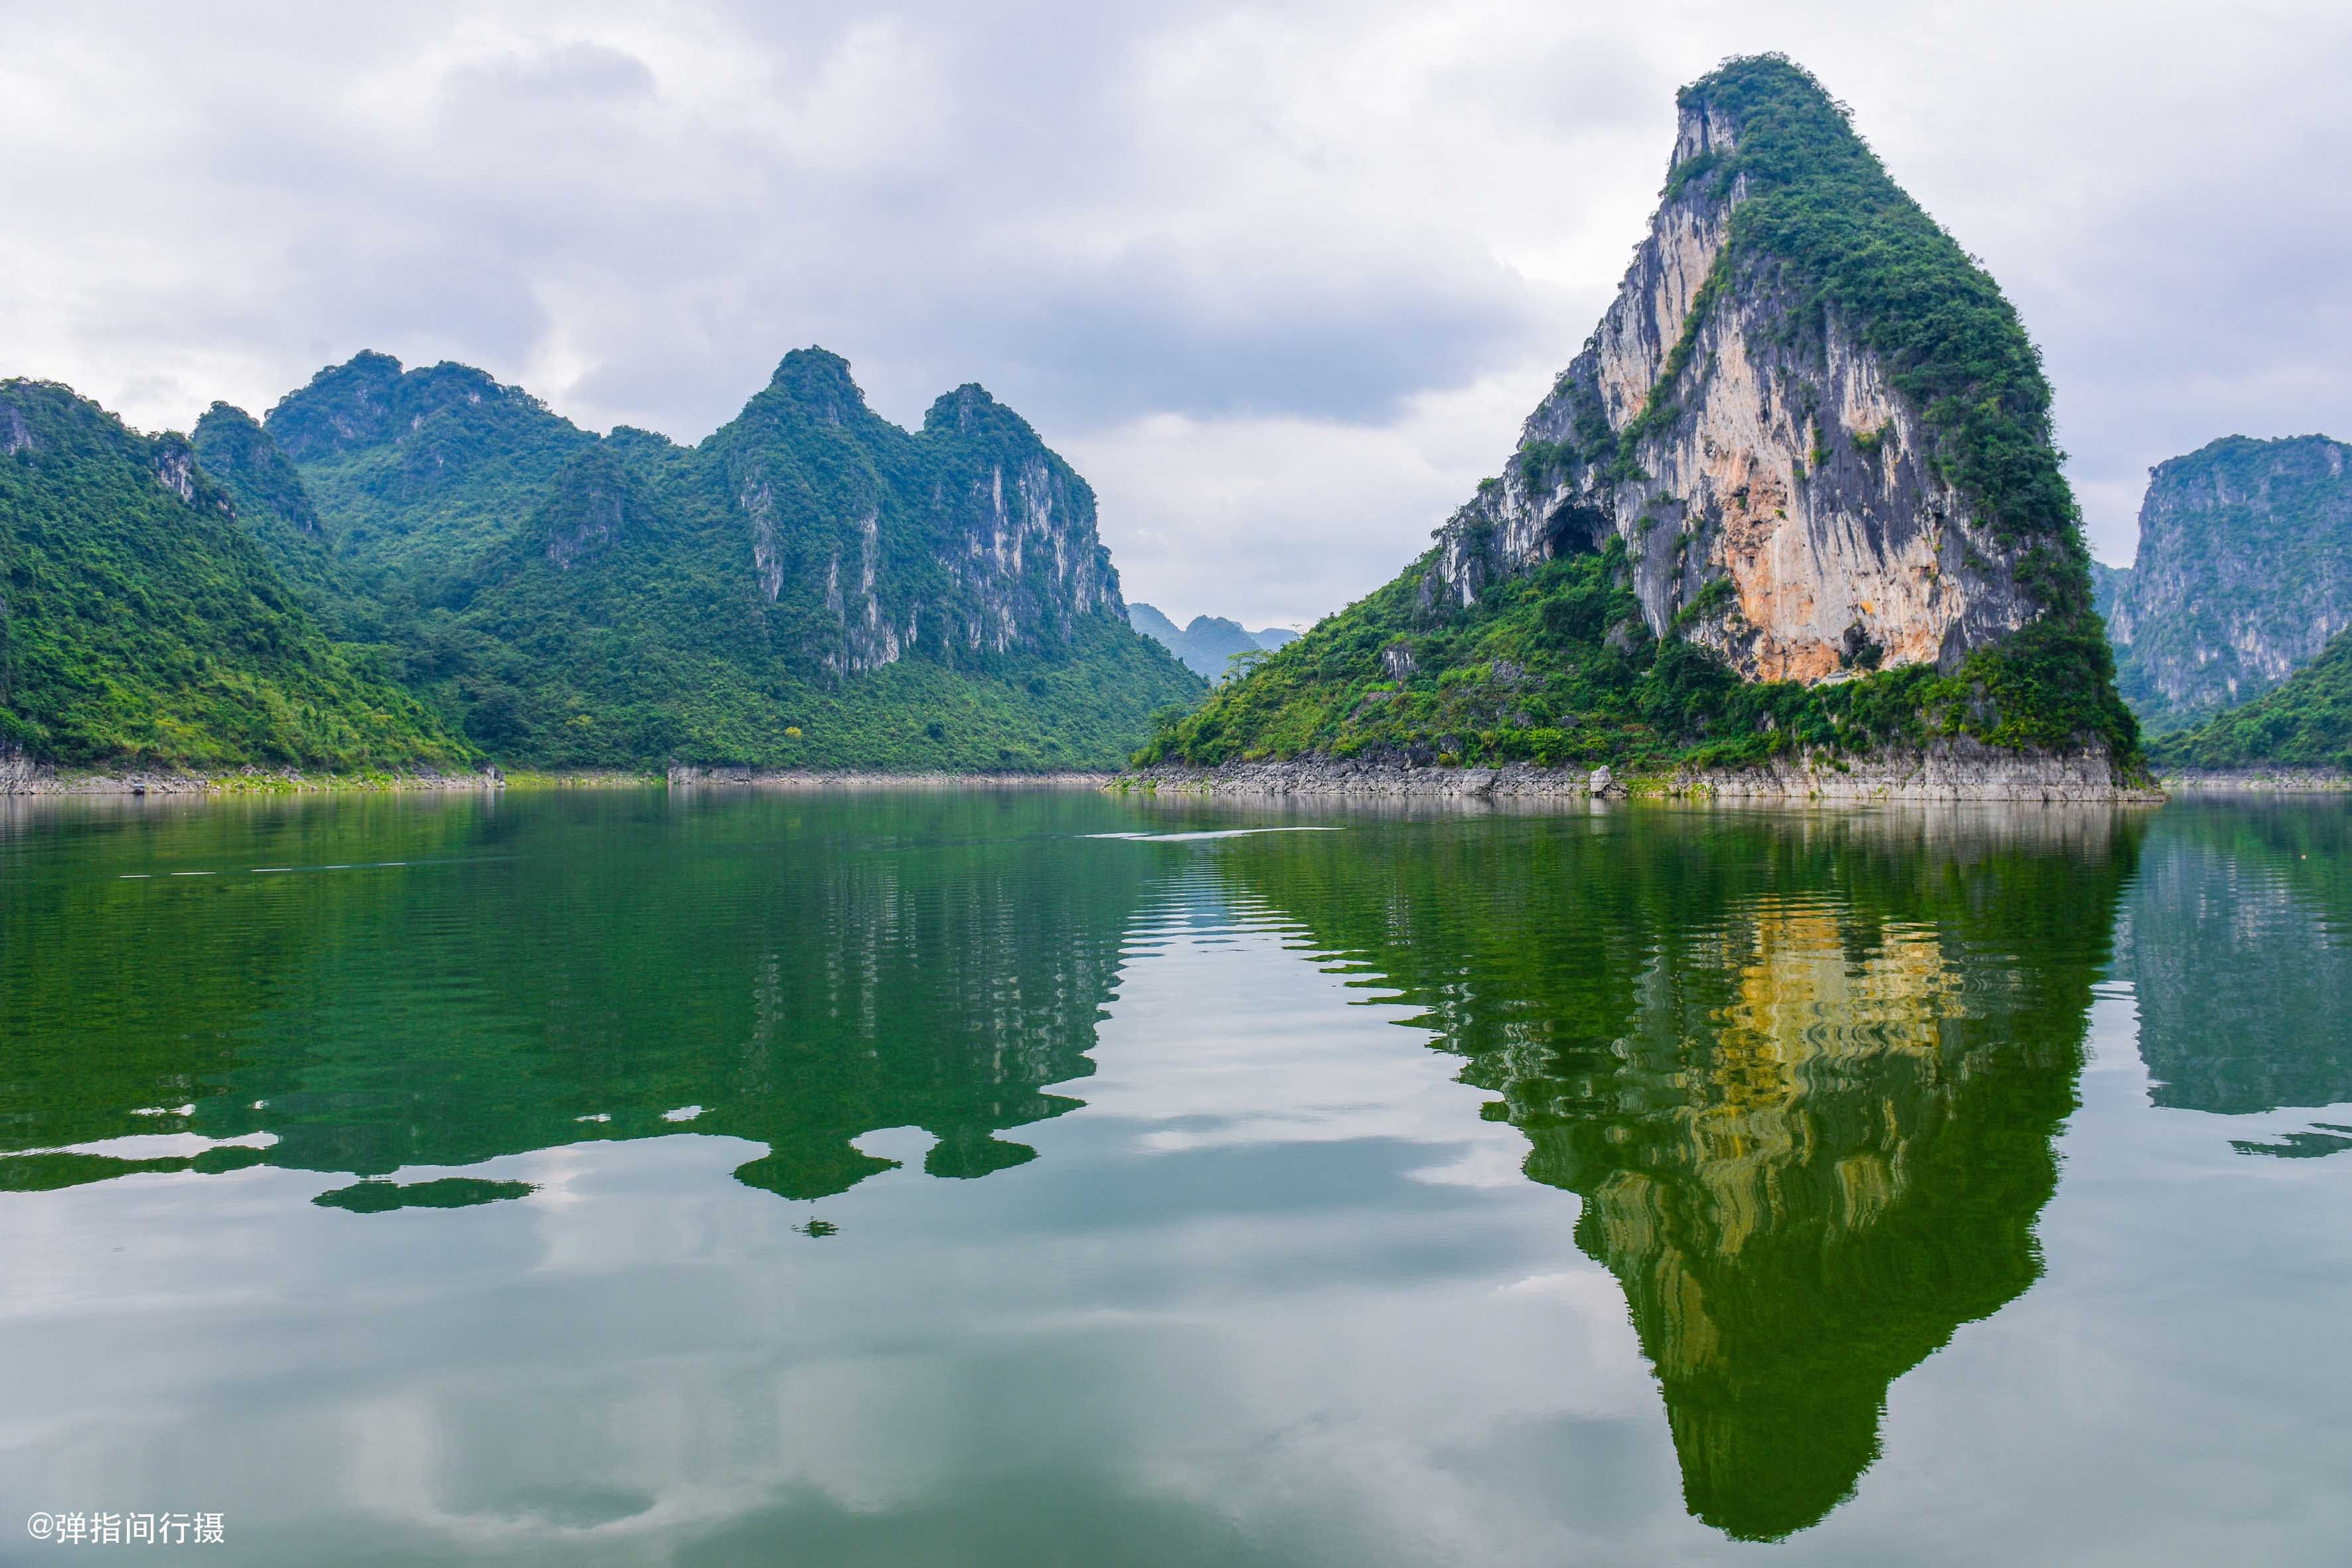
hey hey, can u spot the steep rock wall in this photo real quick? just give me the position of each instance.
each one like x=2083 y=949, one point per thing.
x=2244 y=572
x=1768 y=451
x=969 y=537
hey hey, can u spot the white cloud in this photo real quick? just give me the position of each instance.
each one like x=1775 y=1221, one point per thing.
x=1275 y=276
x=1275 y=520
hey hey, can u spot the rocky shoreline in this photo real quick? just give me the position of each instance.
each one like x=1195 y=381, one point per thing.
x=2237 y=781
x=20 y=775
x=693 y=776
x=1954 y=770
x=1959 y=769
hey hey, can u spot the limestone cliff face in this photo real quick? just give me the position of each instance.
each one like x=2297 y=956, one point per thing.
x=1021 y=548
x=969 y=537
x=1730 y=431
x=2244 y=572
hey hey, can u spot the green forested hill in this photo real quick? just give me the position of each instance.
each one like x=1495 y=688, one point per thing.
x=417 y=473
x=812 y=585
x=2305 y=723
x=141 y=623
x=426 y=566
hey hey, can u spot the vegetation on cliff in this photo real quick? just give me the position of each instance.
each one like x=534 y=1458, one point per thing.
x=1819 y=200
x=141 y=623
x=2305 y=724
x=1556 y=666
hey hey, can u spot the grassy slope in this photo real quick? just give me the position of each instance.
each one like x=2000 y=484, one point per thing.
x=144 y=627
x=1593 y=686
x=2307 y=723
x=1554 y=668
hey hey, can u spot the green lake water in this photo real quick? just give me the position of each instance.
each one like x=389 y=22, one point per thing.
x=1033 y=1177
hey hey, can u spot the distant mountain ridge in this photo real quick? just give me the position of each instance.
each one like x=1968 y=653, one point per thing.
x=1209 y=643
x=2243 y=573
x=809 y=586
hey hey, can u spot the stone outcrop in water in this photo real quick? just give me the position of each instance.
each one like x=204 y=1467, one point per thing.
x=1794 y=505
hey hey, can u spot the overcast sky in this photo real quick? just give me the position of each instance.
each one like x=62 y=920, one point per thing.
x=1281 y=280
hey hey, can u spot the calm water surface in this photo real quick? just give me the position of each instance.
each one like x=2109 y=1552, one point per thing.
x=1035 y=1178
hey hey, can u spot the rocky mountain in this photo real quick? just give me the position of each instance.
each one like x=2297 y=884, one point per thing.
x=1797 y=493
x=142 y=622
x=809 y=585
x=1209 y=643
x=2107 y=584
x=2243 y=573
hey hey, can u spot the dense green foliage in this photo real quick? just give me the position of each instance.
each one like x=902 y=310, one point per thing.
x=2305 y=724
x=418 y=472
x=812 y=586
x=139 y=623
x=274 y=508
x=796 y=591
x=1557 y=667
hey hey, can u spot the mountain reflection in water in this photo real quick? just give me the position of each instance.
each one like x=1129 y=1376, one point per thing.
x=1803 y=1071
x=2237 y=938
x=502 y=992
